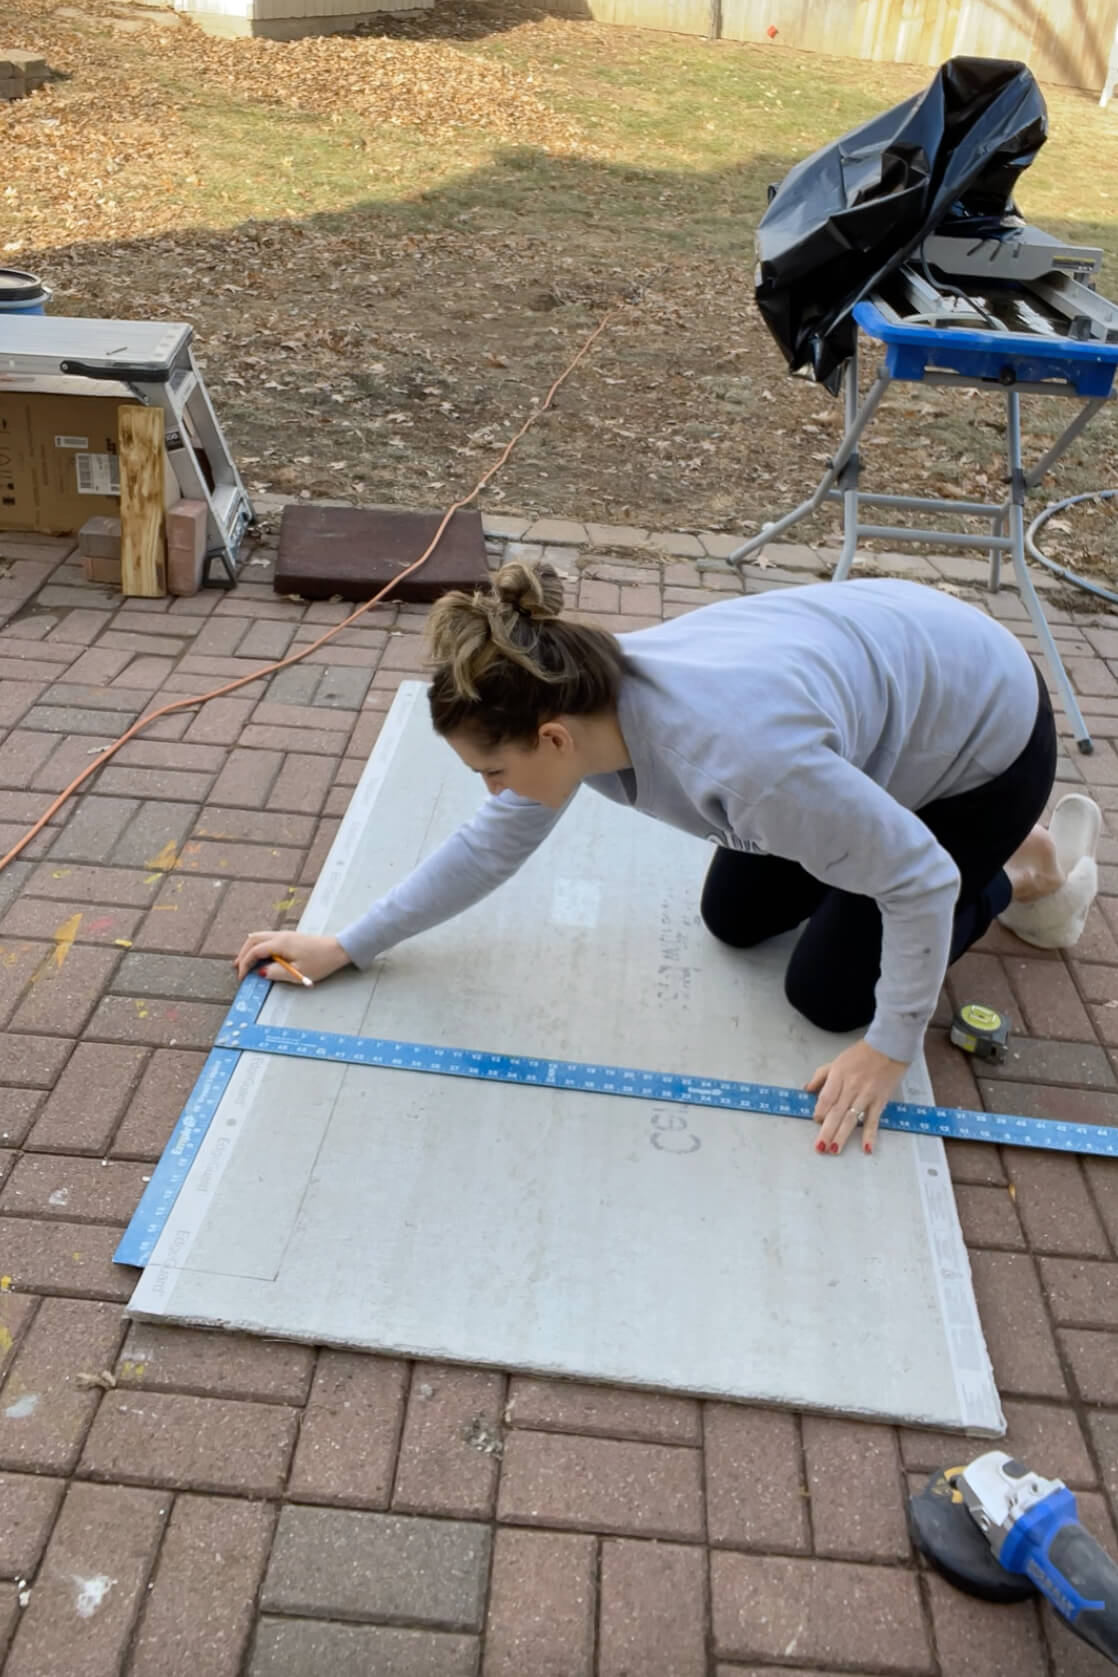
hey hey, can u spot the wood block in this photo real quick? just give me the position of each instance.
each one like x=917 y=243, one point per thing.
x=143 y=568
x=354 y=551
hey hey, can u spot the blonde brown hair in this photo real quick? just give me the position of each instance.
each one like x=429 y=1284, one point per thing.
x=506 y=661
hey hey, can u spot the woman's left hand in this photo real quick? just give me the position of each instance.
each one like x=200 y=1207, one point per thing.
x=856 y=1087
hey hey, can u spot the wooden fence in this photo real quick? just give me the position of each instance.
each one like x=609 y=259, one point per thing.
x=1066 y=41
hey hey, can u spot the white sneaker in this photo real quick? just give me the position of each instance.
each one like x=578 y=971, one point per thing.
x=1057 y=920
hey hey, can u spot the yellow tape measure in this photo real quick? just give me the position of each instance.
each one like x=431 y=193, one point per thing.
x=981 y=1031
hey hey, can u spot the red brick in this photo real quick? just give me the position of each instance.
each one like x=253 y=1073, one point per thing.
x=602 y=1411
x=254 y=826
x=247 y=778
x=19 y=964
x=17 y=1113
x=208 y=1444
x=16 y=698
x=1033 y=1060
x=970 y=1638
x=653 y=1610
x=1049 y=1002
x=32 y=1061
x=366 y=733
x=1072 y=1106
x=1104 y=1436
x=23 y=754
x=16 y=1312
x=231 y=1365
x=982 y=978
x=598 y=596
x=541 y=1606
x=1044 y=1435
x=94 y=828
x=1053 y=1203
x=296 y=1647
x=1081 y=1294
x=240 y=861
x=9 y=1615
x=44 y=1412
x=451 y=1442
x=651 y=1490
x=818 y=1611
x=950 y=1071
x=37 y=917
x=146 y=753
x=70 y=1258
x=405 y=652
x=988 y=1217
x=154 y=1109
x=178 y=920
x=85 y=1106
x=756 y=1497
x=28 y=1505
x=169 y=1024
x=1013 y=1317
x=124 y=886
x=218 y=638
x=100 y=664
x=353 y=1396
x=1098 y=984
x=1105 y=1021
x=219 y=721
x=319 y=850
x=1097 y=941
x=71 y=758
x=315 y=742
x=200 y=1609
x=857 y=1492
x=1093 y=1358
x=302 y=783
x=86 y=1598
x=244 y=908
x=1102 y=1176
x=74 y=1189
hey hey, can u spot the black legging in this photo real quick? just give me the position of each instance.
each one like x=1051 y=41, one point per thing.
x=836 y=963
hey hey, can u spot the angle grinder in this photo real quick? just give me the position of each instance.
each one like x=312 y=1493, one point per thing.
x=998 y=1531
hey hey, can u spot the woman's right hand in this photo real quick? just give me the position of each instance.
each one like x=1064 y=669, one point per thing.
x=315 y=957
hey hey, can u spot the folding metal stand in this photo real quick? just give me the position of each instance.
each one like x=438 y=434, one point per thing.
x=153 y=361
x=1015 y=365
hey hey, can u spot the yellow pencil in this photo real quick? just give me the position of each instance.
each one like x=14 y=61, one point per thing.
x=294 y=971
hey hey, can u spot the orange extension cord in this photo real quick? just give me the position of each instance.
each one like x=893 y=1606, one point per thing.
x=294 y=657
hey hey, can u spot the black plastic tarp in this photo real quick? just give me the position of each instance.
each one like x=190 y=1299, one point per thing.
x=845 y=217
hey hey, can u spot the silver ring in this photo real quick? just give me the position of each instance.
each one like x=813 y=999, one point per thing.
x=858 y=1113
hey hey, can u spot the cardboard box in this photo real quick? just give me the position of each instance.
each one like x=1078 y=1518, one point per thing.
x=97 y=569
x=59 y=464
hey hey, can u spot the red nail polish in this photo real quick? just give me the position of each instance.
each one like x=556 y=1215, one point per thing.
x=820 y=1146
x=867 y=1147
x=834 y=1147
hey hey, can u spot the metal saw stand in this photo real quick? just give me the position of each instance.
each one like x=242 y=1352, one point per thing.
x=1012 y=366
x=153 y=361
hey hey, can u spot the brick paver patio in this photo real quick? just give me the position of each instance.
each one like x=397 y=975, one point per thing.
x=186 y=1504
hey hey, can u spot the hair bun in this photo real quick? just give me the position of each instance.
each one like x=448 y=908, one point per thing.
x=535 y=591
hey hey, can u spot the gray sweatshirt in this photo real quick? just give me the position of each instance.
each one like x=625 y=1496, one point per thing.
x=806 y=723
